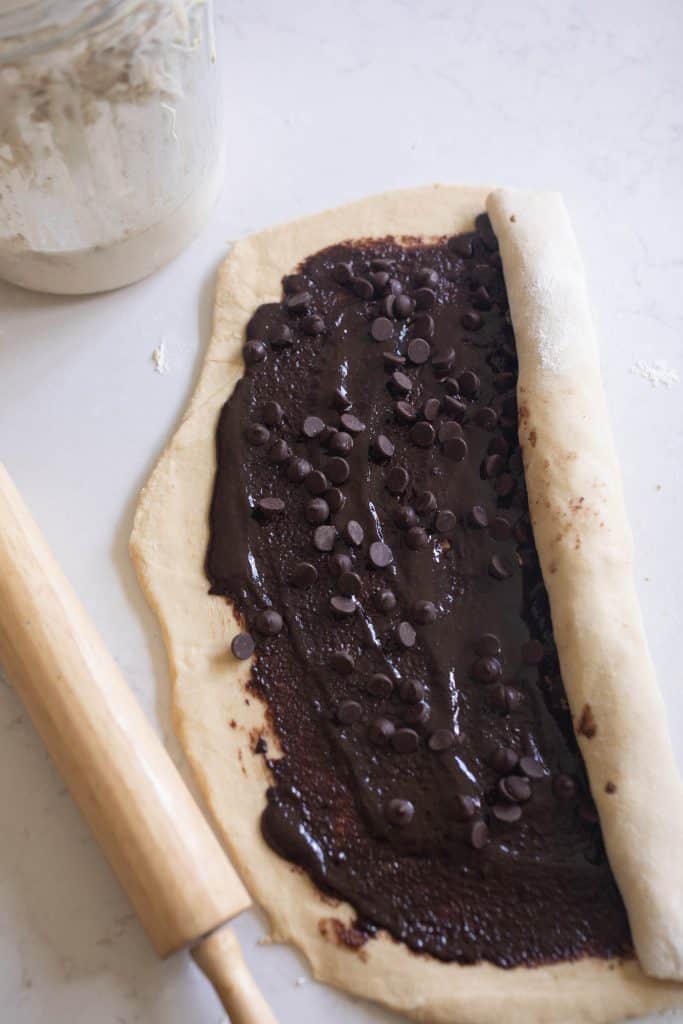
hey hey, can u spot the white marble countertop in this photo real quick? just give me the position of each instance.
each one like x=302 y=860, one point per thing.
x=327 y=102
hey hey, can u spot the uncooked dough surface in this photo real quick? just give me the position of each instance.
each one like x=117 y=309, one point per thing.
x=217 y=718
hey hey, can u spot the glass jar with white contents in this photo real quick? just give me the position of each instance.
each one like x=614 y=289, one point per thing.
x=111 y=138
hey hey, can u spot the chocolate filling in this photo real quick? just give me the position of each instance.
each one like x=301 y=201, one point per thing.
x=370 y=524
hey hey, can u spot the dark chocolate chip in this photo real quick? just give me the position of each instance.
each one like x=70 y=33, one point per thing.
x=279 y=451
x=405 y=741
x=487 y=646
x=481 y=298
x=324 y=537
x=425 y=298
x=441 y=739
x=532 y=768
x=342 y=662
x=340 y=443
x=351 y=423
x=478 y=834
x=443 y=360
x=313 y=325
x=242 y=646
x=338 y=470
x=380 y=731
x=298 y=469
x=272 y=414
x=349 y=712
x=455 y=407
x=471 y=320
x=533 y=652
x=292 y=283
x=455 y=449
x=335 y=499
x=380 y=555
x=381 y=328
x=515 y=789
x=363 y=287
x=486 y=417
x=339 y=564
x=380 y=685
x=498 y=446
x=282 y=337
x=411 y=691
x=405 y=634
x=504 y=381
x=385 y=601
x=462 y=246
x=426 y=276
x=499 y=568
x=504 y=485
x=464 y=807
x=445 y=521
x=400 y=812
x=304 y=575
x=417 y=538
x=486 y=670
x=504 y=760
x=397 y=480
x=386 y=306
x=354 y=533
x=317 y=511
x=400 y=383
x=425 y=502
x=405 y=412
x=493 y=466
x=403 y=306
x=500 y=528
x=269 y=508
x=422 y=434
x=448 y=430
x=268 y=622
x=430 y=409
x=298 y=302
x=349 y=584
x=469 y=383
x=382 y=264
x=505 y=698
x=382 y=448
x=344 y=607
x=418 y=351
x=478 y=517
x=342 y=273
x=424 y=613
x=380 y=281
x=417 y=714
x=312 y=426
x=254 y=352
x=405 y=516
x=392 y=360
x=316 y=482
x=507 y=813
x=257 y=434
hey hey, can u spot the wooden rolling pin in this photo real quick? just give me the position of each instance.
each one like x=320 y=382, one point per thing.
x=178 y=878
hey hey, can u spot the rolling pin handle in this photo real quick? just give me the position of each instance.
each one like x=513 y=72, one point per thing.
x=219 y=957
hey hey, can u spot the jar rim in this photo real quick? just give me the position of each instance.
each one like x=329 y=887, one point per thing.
x=33 y=27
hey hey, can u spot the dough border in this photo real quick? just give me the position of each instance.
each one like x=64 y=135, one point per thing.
x=218 y=720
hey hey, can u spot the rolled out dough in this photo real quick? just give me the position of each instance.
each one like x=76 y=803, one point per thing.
x=218 y=719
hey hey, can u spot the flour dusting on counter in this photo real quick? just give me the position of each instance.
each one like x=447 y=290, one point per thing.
x=657 y=373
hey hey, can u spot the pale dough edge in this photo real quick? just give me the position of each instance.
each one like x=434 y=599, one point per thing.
x=218 y=720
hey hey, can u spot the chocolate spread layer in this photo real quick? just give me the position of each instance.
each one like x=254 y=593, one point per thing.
x=370 y=524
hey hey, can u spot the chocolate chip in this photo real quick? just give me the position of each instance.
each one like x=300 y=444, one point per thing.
x=425 y=502
x=486 y=417
x=380 y=685
x=462 y=245
x=298 y=469
x=504 y=760
x=324 y=537
x=354 y=533
x=304 y=575
x=425 y=298
x=282 y=337
x=344 y=607
x=418 y=351
x=272 y=414
x=507 y=813
x=481 y=298
x=405 y=634
x=405 y=741
x=469 y=383
x=268 y=622
x=400 y=812
x=417 y=538
x=349 y=584
x=505 y=698
x=498 y=446
x=351 y=423
x=443 y=360
x=340 y=400
x=454 y=407
x=411 y=691
x=487 y=646
x=441 y=739
x=385 y=601
x=380 y=555
x=242 y=646
x=448 y=430
x=380 y=263
x=493 y=466
x=515 y=789
x=405 y=412
x=292 y=283
x=424 y=613
x=430 y=409
x=313 y=325
x=342 y=273
x=279 y=451
x=478 y=517
x=339 y=564
x=298 y=302
x=504 y=381
x=471 y=320
x=269 y=508
x=500 y=528
x=338 y=470
x=400 y=383
x=340 y=443
x=317 y=511
x=326 y=436
x=533 y=652
x=455 y=449
x=382 y=448
x=254 y=352
x=392 y=360
x=335 y=499
x=316 y=482
x=381 y=328
x=405 y=516
x=499 y=568
x=426 y=276
x=363 y=288
x=504 y=485
x=312 y=426
x=464 y=807
x=445 y=521
x=342 y=662
x=564 y=787
x=349 y=712
x=417 y=714
x=478 y=834
x=486 y=670
x=386 y=306
x=422 y=434
x=380 y=731
x=257 y=434
x=403 y=306
x=532 y=768
x=397 y=480
x=380 y=281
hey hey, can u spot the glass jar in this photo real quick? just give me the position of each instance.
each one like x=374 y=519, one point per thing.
x=111 y=138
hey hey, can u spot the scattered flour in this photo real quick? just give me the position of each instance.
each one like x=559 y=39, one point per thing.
x=656 y=373
x=159 y=359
